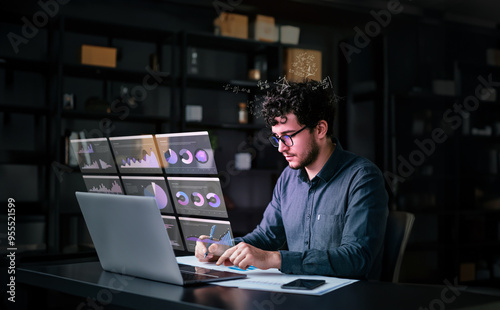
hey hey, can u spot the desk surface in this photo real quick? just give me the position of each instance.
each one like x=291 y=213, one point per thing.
x=90 y=280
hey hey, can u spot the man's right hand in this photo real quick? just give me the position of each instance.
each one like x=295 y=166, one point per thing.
x=214 y=250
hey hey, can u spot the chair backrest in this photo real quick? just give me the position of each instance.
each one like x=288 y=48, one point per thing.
x=399 y=225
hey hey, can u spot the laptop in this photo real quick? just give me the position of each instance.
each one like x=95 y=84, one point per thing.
x=130 y=238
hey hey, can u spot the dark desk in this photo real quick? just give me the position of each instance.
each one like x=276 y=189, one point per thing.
x=88 y=280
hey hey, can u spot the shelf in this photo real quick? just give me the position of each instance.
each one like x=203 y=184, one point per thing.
x=28 y=210
x=199 y=82
x=435 y=246
x=479 y=139
x=222 y=43
x=104 y=73
x=99 y=28
x=29 y=65
x=20 y=109
x=137 y=118
x=480 y=244
x=482 y=68
x=480 y=176
x=23 y=158
x=427 y=246
x=243 y=127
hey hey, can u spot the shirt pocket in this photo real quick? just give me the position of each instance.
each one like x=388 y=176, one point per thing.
x=327 y=231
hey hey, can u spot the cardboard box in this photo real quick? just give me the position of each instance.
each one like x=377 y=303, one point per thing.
x=300 y=64
x=98 y=56
x=263 y=29
x=232 y=25
x=467 y=272
x=493 y=57
x=194 y=113
x=289 y=34
x=443 y=87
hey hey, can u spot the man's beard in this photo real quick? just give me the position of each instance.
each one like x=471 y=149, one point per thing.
x=310 y=157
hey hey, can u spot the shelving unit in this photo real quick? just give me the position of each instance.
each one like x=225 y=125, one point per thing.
x=30 y=113
x=446 y=188
x=221 y=113
x=479 y=169
x=66 y=75
x=121 y=118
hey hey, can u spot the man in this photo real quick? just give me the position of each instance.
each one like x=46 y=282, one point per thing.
x=329 y=206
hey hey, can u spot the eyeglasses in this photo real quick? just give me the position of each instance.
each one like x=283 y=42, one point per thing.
x=286 y=139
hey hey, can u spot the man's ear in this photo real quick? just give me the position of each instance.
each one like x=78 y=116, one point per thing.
x=321 y=129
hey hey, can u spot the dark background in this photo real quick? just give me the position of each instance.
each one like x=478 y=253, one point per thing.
x=388 y=101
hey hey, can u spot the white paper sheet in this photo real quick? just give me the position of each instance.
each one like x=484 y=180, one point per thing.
x=268 y=280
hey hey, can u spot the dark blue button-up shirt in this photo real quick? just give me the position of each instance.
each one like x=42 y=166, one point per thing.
x=333 y=224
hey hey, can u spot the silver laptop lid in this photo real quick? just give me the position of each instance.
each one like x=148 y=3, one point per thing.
x=129 y=236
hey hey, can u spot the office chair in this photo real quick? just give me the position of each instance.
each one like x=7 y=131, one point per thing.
x=399 y=225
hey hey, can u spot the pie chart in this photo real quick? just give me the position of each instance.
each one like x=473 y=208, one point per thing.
x=155 y=191
x=201 y=156
x=171 y=156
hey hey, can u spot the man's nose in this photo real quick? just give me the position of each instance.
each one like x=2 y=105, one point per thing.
x=282 y=146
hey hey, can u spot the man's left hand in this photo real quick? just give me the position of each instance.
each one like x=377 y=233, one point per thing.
x=244 y=255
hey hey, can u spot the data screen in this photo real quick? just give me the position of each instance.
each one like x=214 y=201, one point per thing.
x=193 y=228
x=103 y=184
x=174 y=233
x=186 y=153
x=149 y=186
x=177 y=169
x=136 y=154
x=93 y=155
x=198 y=196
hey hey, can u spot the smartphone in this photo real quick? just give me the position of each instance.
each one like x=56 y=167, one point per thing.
x=303 y=284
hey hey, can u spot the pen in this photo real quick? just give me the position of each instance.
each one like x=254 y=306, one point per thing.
x=211 y=237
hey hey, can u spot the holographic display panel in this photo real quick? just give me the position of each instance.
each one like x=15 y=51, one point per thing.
x=174 y=233
x=93 y=155
x=136 y=154
x=150 y=186
x=186 y=153
x=193 y=228
x=197 y=196
x=103 y=184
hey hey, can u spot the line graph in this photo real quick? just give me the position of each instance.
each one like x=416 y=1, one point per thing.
x=148 y=161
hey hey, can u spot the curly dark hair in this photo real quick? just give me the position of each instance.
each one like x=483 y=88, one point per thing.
x=309 y=100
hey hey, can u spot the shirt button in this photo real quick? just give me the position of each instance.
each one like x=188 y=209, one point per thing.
x=307 y=242
x=308 y=216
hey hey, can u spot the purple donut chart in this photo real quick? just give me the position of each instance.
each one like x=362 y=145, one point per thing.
x=182 y=198
x=186 y=156
x=213 y=200
x=198 y=199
